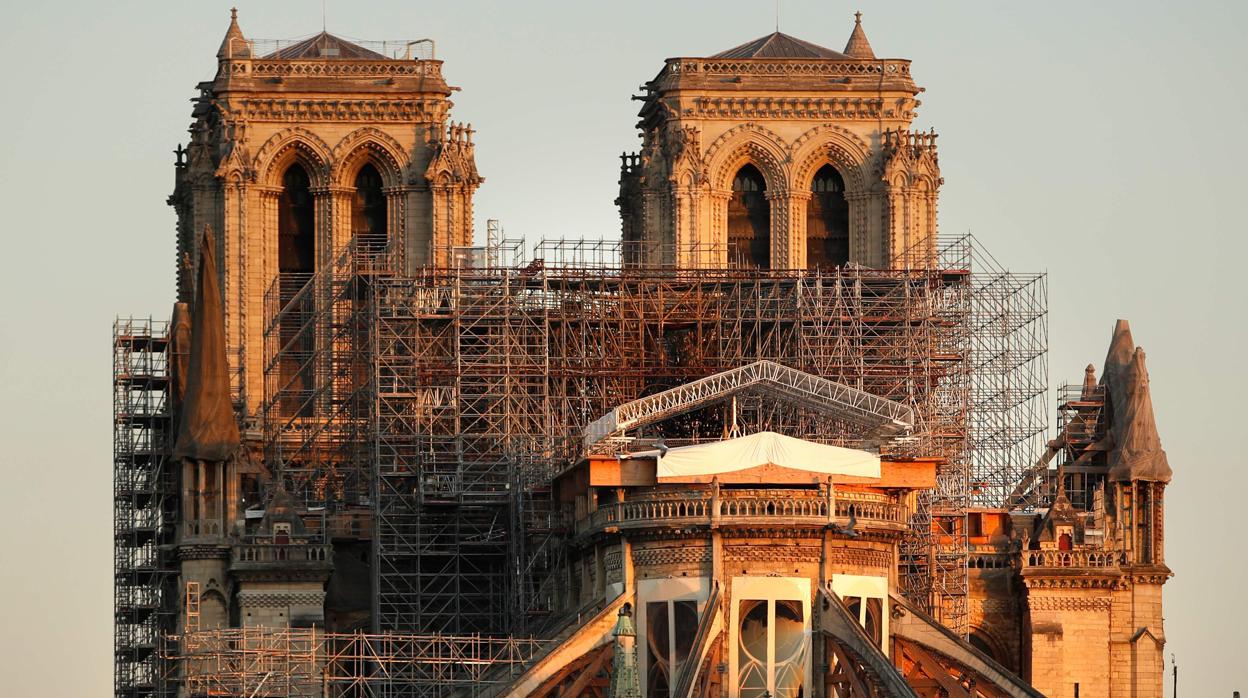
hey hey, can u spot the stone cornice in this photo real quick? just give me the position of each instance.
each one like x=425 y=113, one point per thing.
x=860 y=557
x=280 y=599
x=204 y=551
x=1069 y=603
x=1073 y=582
x=682 y=555
x=368 y=110
x=774 y=553
x=797 y=108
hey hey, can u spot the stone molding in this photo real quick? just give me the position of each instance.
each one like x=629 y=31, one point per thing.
x=1059 y=582
x=1069 y=603
x=860 y=557
x=323 y=68
x=773 y=553
x=280 y=599
x=684 y=555
x=204 y=551
x=305 y=110
x=818 y=108
x=611 y=561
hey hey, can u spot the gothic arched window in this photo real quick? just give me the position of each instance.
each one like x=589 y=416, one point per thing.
x=827 y=221
x=296 y=262
x=296 y=223
x=368 y=210
x=749 y=220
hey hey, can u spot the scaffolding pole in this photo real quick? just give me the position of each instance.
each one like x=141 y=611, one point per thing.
x=145 y=505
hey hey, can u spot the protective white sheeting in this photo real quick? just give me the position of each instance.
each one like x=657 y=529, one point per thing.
x=766 y=448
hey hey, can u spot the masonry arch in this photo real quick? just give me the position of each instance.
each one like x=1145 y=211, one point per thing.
x=368 y=146
x=294 y=145
x=985 y=642
x=753 y=144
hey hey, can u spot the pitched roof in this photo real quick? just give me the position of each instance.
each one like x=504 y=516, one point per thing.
x=777 y=45
x=325 y=45
x=234 y=45
x=858 y=46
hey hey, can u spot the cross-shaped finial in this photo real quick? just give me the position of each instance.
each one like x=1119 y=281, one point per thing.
x=858 y=17
x=233 y=13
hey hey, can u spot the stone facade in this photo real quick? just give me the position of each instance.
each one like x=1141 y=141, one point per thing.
x=786 y=108
x=1066 y=597
x=262 y=114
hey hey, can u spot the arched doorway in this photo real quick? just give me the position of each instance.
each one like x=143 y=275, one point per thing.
x=827 y=221
x=749 y=220
x=368 y=210
x=982 y=642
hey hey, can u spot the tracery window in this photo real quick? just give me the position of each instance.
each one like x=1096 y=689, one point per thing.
x=866 y=598
x=671 y=627
x=668 y=626
x=770 y=653
x=749 y=220
x=870 y=615
x=827 y=221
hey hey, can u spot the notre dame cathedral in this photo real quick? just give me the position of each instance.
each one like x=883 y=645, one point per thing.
x=780 y=438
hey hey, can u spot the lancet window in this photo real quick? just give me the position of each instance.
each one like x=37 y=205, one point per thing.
x=749 y=220
x=827 y=221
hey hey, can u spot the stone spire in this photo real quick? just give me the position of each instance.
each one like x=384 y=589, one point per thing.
x=1137 y=453
x=207 y=429
x=1089 y=382
x=234 y=45
x=1121 y=348
x=1114 y=374
x=858 y=46
x=625 y=682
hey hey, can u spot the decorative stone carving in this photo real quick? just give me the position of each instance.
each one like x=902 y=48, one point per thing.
x=280 y=599
x=1069 y=603
x=653 y=557
x=857 y=557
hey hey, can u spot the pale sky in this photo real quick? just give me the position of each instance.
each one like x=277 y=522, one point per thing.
x=1100 y=142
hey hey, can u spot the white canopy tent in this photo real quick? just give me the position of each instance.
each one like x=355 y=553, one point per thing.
x=766 y=448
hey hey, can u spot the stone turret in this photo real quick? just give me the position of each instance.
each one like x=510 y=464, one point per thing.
x=858 y=46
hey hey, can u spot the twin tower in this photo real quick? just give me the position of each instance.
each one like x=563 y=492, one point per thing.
x=776 y=154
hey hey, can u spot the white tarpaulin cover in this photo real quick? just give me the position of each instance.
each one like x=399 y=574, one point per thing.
x=766 y=448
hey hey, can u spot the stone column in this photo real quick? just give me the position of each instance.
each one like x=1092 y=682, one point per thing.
x=798 y=203
x=396 y=216
x=718 y=229
x=859 y=227
x=338 y=214
x=781 y=235
x=682 y=226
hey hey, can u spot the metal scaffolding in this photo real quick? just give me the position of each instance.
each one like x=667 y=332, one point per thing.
x=446 y=399
x=145 y=505
x=261 y=661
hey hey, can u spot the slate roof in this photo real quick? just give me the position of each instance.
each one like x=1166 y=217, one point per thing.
x=778 y=45
x=325 y=45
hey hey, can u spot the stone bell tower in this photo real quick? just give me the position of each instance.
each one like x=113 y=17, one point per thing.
x=299 y=147
x=781 y=154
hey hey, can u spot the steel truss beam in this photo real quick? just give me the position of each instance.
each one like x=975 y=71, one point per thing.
x=879 y=415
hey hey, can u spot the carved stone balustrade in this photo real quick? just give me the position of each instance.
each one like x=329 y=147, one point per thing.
x=254 y=557
x=1095 y=559
x=804 y=508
